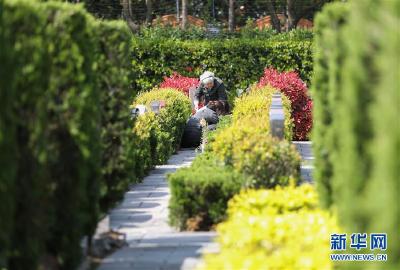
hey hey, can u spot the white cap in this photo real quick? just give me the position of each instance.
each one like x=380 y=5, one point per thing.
x=206 y=75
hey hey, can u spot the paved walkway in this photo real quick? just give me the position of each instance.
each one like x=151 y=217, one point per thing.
x=143 y=216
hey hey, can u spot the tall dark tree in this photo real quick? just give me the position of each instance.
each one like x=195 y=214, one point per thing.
x=272 y=10
x=149 y=11
x=231 y=20
x=184 y=13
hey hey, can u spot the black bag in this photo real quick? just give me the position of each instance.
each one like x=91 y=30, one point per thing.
x=192 y=133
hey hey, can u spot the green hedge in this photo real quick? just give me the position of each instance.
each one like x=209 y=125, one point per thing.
x=328 y=61
x=198 y=33
x=67 y=147
x=365 y=162
x=199 y=194
x=55 y=121
x=239 y=62
x=116 y=75
x=159 y=136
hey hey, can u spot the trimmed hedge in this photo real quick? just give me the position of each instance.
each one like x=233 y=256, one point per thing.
x=54 y=112
x=164 y=131
x=115 y=75
x=67 y=147
x=247 y=146
x=199 y=33
x=238 y=62
x=326 y=92
x=266 y=229
x=199 y=194
x=361 y=179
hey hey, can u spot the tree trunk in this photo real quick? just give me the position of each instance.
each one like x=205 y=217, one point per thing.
x=149 y=11
x=231 y=18
x=184 y=14
x=127 y=15
x=276 y=24
x=292 y=20
x=177 y=11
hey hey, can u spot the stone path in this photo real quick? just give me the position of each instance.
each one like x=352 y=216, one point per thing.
x=305 y=150
x=143 y=216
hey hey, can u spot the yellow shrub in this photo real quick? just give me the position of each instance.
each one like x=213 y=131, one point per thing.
x=247 y=146
x=254 y=103
x=274 y=229
x=290 y=241
x=257 y=102
x=278 y=201
x=159 y=134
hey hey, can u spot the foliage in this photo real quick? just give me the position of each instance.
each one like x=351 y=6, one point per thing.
x=247 y=146
x=255 y=102
x=165 y=129
x=118 y=159
x=246 y=32
x=267 y=228
x=224 y=122
x=280 y=200
x=199 y=194
x=240 y=153
x=180 y=82
x=296 y=90
x=55 y=116
x=326 y=92
x=362 y=98
x=266 y=161
x=66 y=140
x=238 y=62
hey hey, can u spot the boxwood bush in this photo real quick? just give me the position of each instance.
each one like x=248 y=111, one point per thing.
x=265 y=160
x=54 y=118
x=200 y=193
x=268 y=227
x=247 y=146
x=115 y=77
x=166 y=128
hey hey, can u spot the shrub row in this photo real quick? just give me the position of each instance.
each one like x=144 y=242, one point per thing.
x=240 y=154
x=158 y=136
x=53 y=131
x=67 y=149
x=247 y=146
x=199 y=194
x=198 y=33
x=238 y=62
x=274 y=229
x=356 y=98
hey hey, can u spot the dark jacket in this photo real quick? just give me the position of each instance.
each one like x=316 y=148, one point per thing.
x=217 y=92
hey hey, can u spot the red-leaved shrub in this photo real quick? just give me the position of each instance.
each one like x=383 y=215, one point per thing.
x=180 y=82
x=290 y=84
